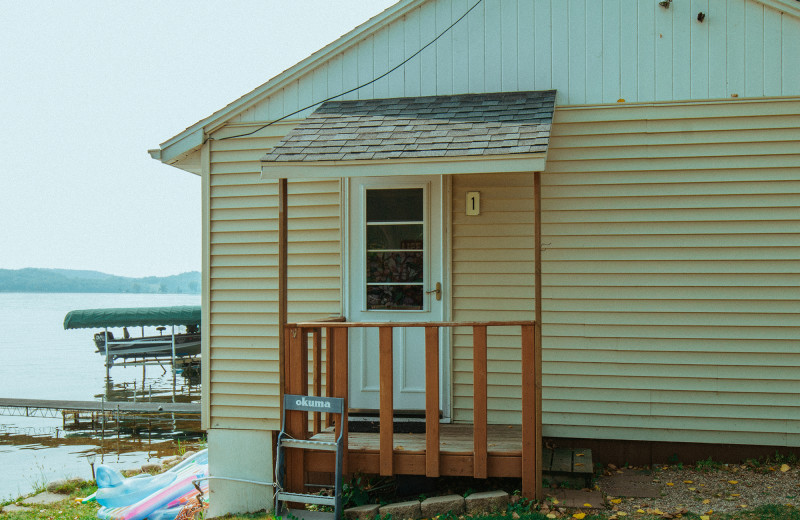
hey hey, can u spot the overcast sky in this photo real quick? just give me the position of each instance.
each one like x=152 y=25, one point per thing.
x=87 y=87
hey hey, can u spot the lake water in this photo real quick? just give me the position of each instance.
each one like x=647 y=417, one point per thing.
x=41 y=360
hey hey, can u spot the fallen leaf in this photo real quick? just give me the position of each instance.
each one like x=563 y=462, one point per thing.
x=705 y=517
x=785 y=468
x=555 y=501
x=733 y=482
x=640 y=511
x=692 y=489
x=670 y=484
x=587 y=505
x=551 y=515
x=688 y=482
x=616 y=501
x=579 y=463
x=709 y=511
x=622 y=513
x=579 y=454
x=706 y=501
x=742 y=505
x=735 y=495
x=579 y=516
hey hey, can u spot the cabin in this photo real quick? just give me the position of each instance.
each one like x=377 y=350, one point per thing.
x=516 y=219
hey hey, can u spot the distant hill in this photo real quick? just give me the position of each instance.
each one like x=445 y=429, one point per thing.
x=67 y=280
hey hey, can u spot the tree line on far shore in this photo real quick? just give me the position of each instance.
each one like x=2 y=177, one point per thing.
x=75 y=281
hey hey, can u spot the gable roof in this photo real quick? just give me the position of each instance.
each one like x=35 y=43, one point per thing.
x=194 y=136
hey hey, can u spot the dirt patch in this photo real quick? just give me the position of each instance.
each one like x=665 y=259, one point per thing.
x=722 y=488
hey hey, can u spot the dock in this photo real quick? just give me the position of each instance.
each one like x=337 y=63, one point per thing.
x=54 y=408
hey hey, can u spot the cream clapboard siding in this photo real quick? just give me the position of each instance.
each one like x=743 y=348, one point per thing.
x=244 y=388
x=671 y=273
x=589 y=51
x=492 y=278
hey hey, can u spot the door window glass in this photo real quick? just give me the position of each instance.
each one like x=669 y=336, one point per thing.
x=395 y=253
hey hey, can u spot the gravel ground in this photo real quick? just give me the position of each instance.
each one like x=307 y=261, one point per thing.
x=712 y=488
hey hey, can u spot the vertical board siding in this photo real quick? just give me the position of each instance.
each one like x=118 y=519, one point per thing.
x=492 y=277
x=670 y=283
x=591 y=52
x=244 y=386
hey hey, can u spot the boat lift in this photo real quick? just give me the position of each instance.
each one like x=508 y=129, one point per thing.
x=151 y=349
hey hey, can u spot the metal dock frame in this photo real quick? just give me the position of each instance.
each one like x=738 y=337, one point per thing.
x=302 y=403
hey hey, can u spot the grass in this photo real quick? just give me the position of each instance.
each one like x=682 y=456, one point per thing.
x=768 y=512
x=708 y=465
x=67 y=509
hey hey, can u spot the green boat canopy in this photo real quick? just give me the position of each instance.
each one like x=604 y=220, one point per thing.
x=133 y=317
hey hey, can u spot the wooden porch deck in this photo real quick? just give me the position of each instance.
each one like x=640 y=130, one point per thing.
x=453 y=438
x=456 y=448
x=456 y=441
x=479 y=450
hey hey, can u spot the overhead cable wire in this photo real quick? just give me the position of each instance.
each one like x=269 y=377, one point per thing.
x=358 y=87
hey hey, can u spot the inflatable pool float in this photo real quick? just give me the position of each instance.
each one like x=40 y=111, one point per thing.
x=158 y=497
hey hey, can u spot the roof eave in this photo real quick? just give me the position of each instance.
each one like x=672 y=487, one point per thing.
x=456 y=165
x=176 y=145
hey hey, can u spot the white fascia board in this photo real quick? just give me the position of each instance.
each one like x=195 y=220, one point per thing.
x=220 y=117
x=519 y=163
x=170 y=153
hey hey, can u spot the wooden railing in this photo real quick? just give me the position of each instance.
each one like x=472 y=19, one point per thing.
x=296 y=381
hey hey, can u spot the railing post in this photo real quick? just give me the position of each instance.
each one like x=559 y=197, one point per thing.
x=432 y=401
x=479 y=368
x=297 y=422
x=386 y=402
x=316 y=357
x=340 y=347
x=330 y=365
x=531 y=416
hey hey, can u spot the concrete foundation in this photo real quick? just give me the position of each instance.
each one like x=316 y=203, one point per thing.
x=240 y=454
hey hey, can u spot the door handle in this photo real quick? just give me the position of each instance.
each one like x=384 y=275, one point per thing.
x=437 y=291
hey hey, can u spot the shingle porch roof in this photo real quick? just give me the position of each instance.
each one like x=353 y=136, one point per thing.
x=495 y=124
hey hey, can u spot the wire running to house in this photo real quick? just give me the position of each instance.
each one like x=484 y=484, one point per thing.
x=358 y=87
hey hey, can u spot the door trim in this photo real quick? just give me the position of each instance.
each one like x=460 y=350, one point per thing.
x=446 y=219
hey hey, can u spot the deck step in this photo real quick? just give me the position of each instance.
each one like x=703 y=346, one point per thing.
x=567 y=461
x=567 y=464
x=308 y=444
x=302 y=498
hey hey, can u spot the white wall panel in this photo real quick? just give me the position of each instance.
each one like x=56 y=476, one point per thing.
x=590 y=51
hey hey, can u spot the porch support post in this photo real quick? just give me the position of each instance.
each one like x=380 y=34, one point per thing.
x=536 y=362
x=432 y=401
x=387 y=402
x=284 y=363
x=340 y=388
x=282 y=282
x=479 y=468
x=531 y=434
x=297 y=420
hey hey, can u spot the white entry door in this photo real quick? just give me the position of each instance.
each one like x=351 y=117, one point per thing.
x=394 y=265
